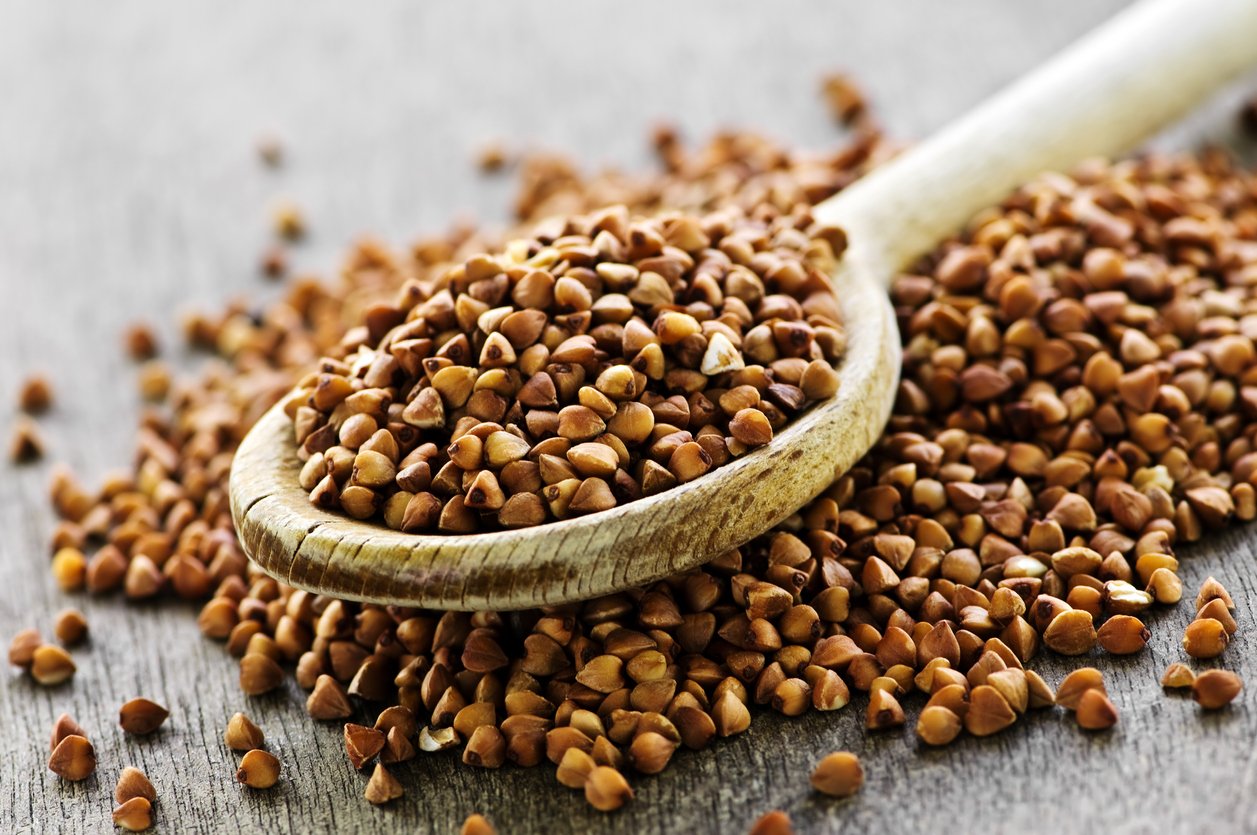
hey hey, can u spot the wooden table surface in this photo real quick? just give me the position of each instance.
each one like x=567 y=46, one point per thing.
x=129 y=189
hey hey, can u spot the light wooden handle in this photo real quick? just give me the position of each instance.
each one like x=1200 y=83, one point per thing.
x=1138 y=72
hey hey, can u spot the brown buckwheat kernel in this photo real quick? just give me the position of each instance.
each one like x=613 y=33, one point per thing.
x=1213 y=689
x=838 y=774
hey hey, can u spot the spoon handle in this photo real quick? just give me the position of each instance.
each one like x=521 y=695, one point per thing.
x=1146 y=67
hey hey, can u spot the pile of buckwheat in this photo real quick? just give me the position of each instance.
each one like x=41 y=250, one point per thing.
x=1079 y=398
x=601 y=359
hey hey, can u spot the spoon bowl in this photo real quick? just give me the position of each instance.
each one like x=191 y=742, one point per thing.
x=583 y=557
x=1149 y=65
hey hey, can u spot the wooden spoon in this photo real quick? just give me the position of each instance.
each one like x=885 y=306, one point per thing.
x=1138 y=72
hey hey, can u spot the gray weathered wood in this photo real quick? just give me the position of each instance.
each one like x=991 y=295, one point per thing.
x=128 y=188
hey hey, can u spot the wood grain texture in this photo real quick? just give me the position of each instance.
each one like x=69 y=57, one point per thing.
x=128 y=189
x=586 y=556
